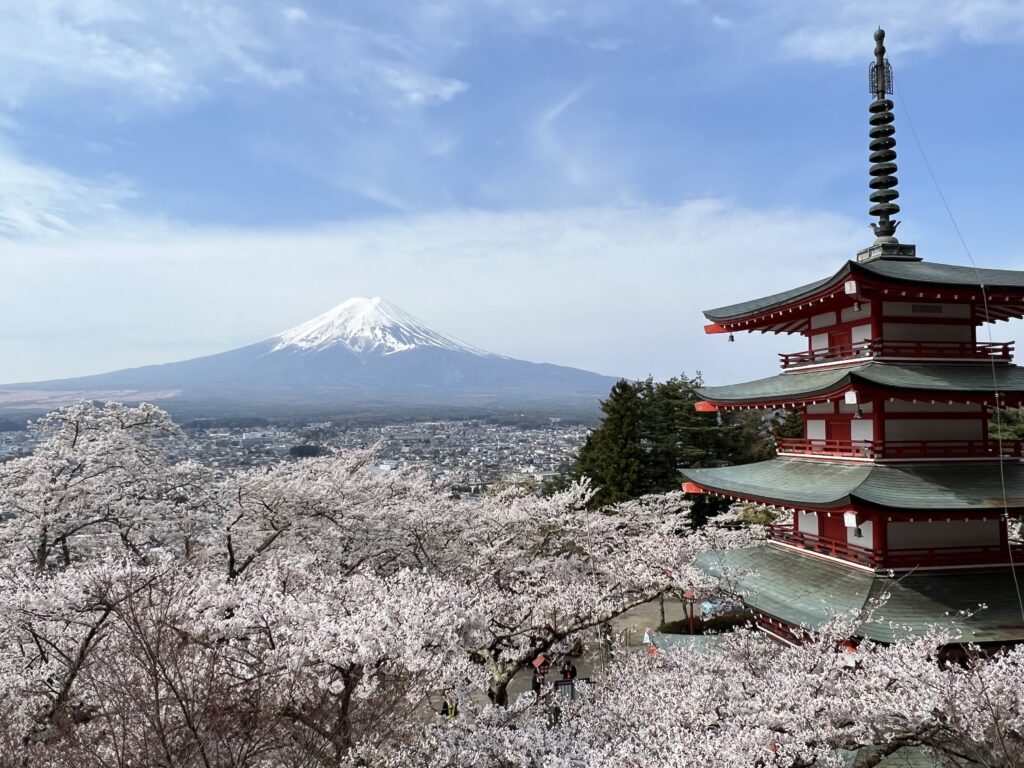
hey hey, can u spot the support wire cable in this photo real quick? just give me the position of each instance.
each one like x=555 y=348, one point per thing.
x=988 y=323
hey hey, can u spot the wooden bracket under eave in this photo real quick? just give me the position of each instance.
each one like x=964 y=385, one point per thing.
x=715 y=328
x=703 y=406
x=689 y=487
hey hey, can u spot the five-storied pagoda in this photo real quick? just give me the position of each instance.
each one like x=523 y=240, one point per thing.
x=897 y=487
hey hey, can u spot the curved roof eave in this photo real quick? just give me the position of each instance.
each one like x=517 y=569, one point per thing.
x=897 y=270
x=938 y=379
x=902 y=487
x=756 y=306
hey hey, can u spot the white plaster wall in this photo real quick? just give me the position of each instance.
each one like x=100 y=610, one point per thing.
x=807 y=522
x=819 y=341
x=925 y=332
x=923 y=308
x=867 y=537
x=865 y=408
x=821 y=408
x=815 y=429
x=933 y=429
x=957 y=533
x=849 y=313
x=862 y=429
x=860 y=333
x=906 y=406
x=823 y=320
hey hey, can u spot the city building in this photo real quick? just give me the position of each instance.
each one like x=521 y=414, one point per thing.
x=898 y=489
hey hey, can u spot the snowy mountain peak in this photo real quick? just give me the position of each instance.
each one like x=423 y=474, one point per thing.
x=367 y=326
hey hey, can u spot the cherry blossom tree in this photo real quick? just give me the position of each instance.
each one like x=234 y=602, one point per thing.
x=318 y=612
x=98 y=479
x=748 y=701
x=289 y=663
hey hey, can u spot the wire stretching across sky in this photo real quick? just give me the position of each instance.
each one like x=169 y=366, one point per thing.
x=988 y=327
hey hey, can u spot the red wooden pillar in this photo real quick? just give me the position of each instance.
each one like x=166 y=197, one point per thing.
x=876 y=318
x=880 y=541
x=878 y=422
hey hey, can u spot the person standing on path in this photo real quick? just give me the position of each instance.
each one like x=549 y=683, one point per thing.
x=568 y=670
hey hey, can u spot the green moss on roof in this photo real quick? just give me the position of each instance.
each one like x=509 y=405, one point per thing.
x=803 y=590
x=940 y=487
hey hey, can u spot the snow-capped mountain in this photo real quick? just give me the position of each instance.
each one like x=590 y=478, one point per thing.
x=367 y=326
x=365 y=354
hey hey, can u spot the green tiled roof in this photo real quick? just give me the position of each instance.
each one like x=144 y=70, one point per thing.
x=926 y=378
x=892 y=269
x=943 y=274
x=803 y=590
x=767 y=302
x=794 y=482
x=783 y=386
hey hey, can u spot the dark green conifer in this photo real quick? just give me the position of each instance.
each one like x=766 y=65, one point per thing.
x=652 y=430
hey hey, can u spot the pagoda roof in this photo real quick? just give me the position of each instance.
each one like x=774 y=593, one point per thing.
x=806 y=591
x=941 y=379
x=900 y=271
x=901 y=487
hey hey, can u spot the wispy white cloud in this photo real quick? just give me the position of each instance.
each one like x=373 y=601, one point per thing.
x=160 y=50
x=169 y=51
x=295 y=14
x=834 y=30
x=37 y=200
x=574 y=169
x=573 y=147
x=418 y=89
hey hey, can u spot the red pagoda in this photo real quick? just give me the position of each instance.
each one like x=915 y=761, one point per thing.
x=897 y=486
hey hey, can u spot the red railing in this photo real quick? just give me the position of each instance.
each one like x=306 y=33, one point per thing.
x=860 y=449
x=832 y=547
x=898 y=558
x=901 y=449
x=951 y=350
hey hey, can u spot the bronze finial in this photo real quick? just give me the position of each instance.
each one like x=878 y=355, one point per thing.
x=882 y=146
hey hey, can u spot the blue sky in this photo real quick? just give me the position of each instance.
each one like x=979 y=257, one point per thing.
x=564 y=180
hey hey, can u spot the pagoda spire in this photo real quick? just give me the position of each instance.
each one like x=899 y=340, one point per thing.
x=883 y=146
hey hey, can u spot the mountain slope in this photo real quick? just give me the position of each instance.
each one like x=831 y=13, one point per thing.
x=363 y=352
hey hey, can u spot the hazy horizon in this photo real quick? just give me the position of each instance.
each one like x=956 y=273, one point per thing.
x=558 y=182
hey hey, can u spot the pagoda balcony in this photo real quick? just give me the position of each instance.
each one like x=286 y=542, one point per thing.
x=936 y=557
x=901 y=350
x=824 y=546
x=899 y=450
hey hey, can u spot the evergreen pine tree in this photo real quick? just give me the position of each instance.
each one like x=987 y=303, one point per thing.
x=613 y=455
x=789 y=424
x=650 y=431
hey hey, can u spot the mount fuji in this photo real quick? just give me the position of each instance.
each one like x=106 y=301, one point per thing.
x=365 y=355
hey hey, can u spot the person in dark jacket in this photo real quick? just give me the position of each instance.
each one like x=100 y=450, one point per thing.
x=568 y=670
